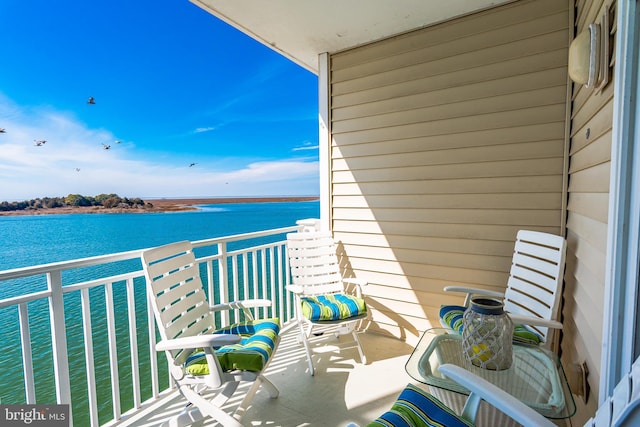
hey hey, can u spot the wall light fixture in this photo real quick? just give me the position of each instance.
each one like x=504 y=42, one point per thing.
x=584 y=56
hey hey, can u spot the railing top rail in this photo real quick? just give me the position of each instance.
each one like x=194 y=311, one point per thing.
x=67 y=265
x=244 y=236
x=21 y=299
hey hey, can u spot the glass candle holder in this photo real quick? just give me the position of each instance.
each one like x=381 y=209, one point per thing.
x=487 y=334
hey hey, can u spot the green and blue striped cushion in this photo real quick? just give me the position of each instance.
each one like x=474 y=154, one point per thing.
x=258 y=342
x=417 y=408
x=332 y=307
x=452 y=317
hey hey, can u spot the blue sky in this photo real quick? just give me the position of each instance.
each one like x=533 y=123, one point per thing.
x=171 y=82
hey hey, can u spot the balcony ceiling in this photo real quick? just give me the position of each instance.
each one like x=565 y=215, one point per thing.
x=302 y=29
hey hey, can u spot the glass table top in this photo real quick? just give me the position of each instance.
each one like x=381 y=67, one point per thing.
x=536 y=376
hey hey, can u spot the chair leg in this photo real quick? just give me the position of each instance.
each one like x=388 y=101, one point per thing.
x=303 y=335
x=188 y=417
x=261 y=380
x=307 y=348
x=212 y=409
x=363 y=358
x=345 y=329
x=350 y=328
x=268 y=385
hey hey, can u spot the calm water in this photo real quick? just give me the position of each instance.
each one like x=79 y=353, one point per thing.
x=33 y=240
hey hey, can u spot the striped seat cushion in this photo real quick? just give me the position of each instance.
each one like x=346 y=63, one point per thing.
x=417 y=408
x=258 y=342
x=451 y=315
x=332 y=307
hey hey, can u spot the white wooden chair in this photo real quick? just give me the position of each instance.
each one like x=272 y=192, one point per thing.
x=534 y=288
x=206 y=363
x=324 y=305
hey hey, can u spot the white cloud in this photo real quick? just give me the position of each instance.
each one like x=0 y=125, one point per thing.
x=28 y=171
x=207 y=129
x=307 y=145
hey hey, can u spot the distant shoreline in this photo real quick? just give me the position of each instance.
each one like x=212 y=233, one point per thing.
x=159 y=205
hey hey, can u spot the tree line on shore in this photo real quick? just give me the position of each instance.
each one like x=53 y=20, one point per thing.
x=105 y=200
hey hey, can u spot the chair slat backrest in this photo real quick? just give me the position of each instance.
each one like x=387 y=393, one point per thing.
x=176 y=293
x=314 y=264
x=535 y=280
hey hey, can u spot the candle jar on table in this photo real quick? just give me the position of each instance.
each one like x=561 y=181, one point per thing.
x=487 y=334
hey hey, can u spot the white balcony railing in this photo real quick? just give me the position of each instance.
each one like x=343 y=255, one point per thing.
x=86 y=337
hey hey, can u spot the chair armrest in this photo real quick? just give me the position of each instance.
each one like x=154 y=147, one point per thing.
x=234 y=305
x=519 y=319
x=360 y=283
x=296 y=289
x=481 y=389
x=198 y=341
x=355 y=281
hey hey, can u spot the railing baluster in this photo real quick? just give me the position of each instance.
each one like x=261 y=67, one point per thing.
x=211 y=289
x=88 y=356
x=223 y=284
x=272 y=282
x=210 y=282
x=285 y=282
x=153 y=359
x=254 y=274
x=233 y=291
x=263 y=268
x=113 y=351
x=133 y=343
x=245 y=277
x=59 y=339
x=281 y=287
x=27 y=355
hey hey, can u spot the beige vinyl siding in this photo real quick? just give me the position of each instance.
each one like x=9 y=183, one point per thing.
x=445 y=142
x=587 y=222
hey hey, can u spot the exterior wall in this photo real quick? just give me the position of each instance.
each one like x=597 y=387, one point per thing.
x=590 y=156
x=445 y=142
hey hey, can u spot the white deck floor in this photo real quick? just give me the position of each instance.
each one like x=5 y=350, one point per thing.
x=341 y=391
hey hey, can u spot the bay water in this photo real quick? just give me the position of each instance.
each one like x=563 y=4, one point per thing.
x=39 y=239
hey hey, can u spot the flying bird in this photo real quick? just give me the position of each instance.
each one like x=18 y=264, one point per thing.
x=192 y=165
x=91 y=100
x=105 y=146
x=118 y=142
x=39 y=142
x=2 y=130
x=77 y=169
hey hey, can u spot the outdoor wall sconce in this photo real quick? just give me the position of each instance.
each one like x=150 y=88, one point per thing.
x=584 y=56
x=592 y=52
